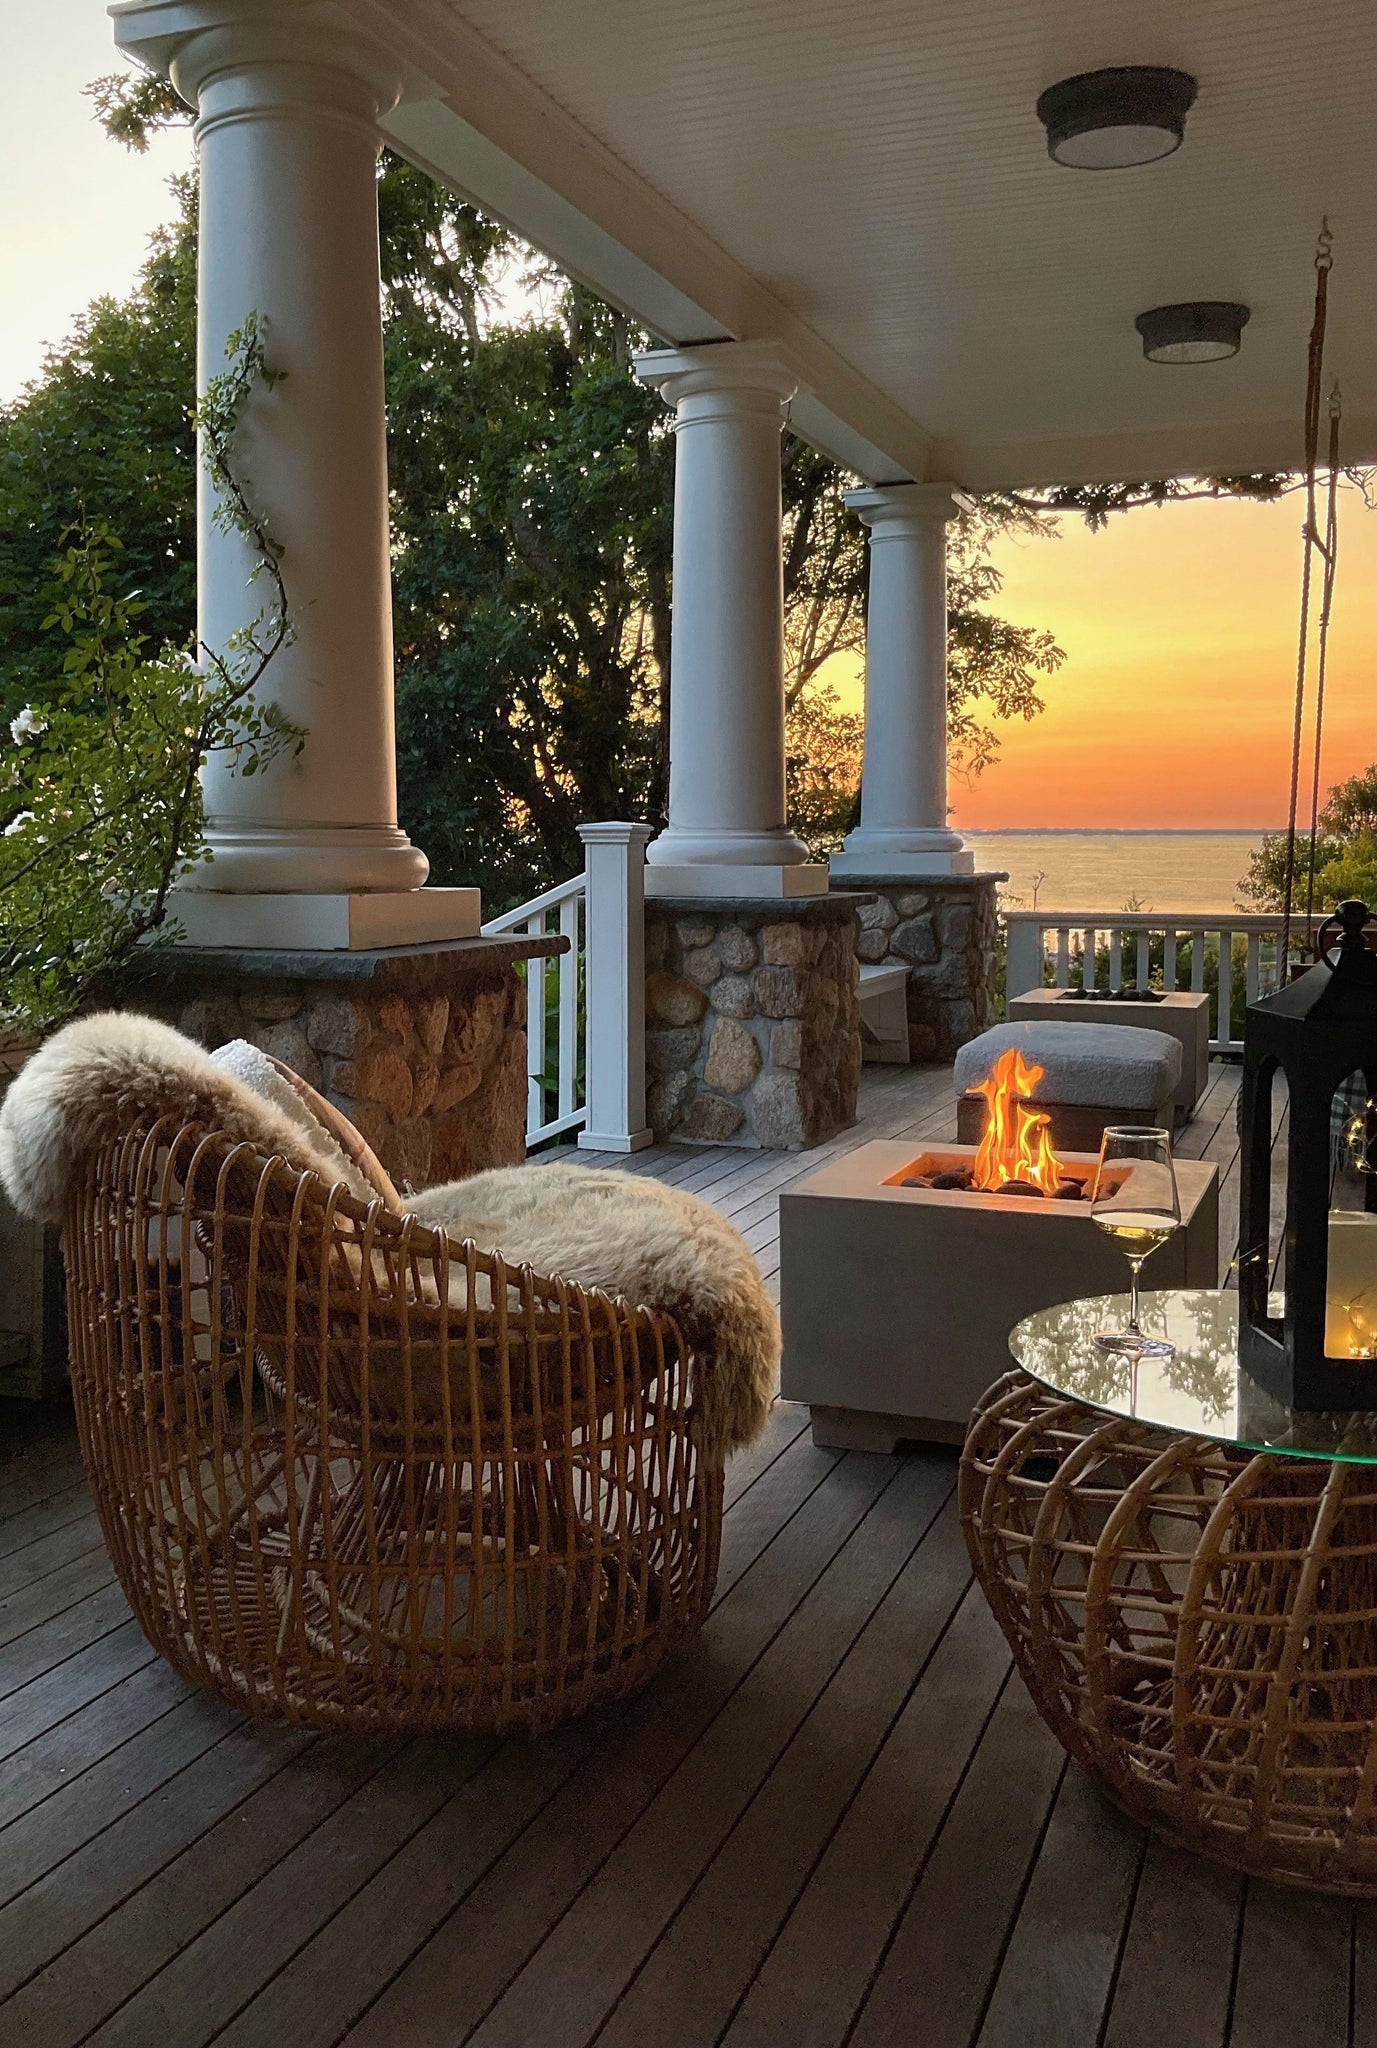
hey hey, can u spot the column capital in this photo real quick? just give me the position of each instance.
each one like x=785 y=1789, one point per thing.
x=745 y=371
x=194 y=41
x=894 y=507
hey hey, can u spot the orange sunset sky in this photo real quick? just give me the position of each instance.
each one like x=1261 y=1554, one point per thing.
x=1174 y=705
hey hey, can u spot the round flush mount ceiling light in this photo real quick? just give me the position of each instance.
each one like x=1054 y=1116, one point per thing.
x=1109 y=120
x=1203 y=331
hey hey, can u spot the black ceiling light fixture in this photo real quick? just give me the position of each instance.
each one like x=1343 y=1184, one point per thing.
x=1110 y=120
x=1202 y=331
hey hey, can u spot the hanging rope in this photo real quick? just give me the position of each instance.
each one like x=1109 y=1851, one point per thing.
x=1324 y=259
x=1331 y=558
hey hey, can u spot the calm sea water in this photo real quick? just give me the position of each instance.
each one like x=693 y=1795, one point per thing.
x=1103 y=870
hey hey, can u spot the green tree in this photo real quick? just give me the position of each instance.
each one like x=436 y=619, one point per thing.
x=1344 y=852
x=100 y=794
x=103 y=434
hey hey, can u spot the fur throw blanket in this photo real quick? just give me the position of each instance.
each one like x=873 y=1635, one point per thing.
x=652 y=1245
x=101 y=1073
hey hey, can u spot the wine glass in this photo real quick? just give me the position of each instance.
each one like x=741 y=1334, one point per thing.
x=1136 y=1203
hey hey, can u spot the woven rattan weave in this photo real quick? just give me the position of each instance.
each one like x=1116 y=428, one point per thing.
x=357 y=1475
x=1195 y=1622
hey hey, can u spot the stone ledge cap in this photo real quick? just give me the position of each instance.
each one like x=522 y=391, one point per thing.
x=392 y=964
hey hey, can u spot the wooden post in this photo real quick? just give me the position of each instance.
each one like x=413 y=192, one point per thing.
x=614 y=928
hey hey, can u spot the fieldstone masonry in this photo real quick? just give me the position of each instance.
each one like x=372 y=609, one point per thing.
x=752 y=1022
x=944 y=930
x=422 y=1047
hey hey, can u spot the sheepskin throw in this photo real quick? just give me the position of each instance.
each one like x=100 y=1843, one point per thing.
x=651 y=1244
x=327 y=1126
x=101 y=1073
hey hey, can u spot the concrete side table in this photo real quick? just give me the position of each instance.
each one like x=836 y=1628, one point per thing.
x=1182 y=1015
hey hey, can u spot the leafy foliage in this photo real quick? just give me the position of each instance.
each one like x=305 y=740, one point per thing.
x=1345 y=853
x=531 y=507
x=100 y=795
x=105 y=434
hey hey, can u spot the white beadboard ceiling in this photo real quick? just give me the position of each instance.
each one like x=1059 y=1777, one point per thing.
x=866 y=180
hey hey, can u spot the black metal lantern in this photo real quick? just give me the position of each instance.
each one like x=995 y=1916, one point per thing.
x=1317 y=1347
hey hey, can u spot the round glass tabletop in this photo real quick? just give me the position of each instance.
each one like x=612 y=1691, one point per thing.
x=1199 y=1389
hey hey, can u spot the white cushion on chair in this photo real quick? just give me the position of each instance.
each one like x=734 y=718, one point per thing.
x=1118 y=1065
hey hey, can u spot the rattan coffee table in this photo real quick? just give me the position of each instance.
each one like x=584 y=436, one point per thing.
x=1187 y=1575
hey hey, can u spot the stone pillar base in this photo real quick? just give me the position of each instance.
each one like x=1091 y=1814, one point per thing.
x=943 y=929
x=423 y=1047
x=752 y=1021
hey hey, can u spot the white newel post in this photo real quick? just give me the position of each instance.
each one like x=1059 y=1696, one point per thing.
x=614 y=978
x=727 y=833
x=903 y=828
x=287 y=105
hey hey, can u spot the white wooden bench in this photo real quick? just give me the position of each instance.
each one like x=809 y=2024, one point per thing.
x=884 y=1014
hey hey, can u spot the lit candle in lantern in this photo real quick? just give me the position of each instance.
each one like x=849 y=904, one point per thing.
x=1350 y=1323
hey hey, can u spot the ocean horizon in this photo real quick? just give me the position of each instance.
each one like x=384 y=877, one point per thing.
x=1165 y=868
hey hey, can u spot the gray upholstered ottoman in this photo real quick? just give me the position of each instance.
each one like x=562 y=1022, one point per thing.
x=1091 y=1076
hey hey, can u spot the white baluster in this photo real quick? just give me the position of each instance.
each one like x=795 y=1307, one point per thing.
x=1169 y=960
x=1063 y=957
x=535 y=1029
x=568 y=969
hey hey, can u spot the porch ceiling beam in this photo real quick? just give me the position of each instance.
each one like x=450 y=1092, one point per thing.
x=1219 y=448
x=496 y=138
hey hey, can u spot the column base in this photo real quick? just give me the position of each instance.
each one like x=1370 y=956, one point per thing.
x=359 y=923
x=709 y=878
x=866 y=862
x=615 y=1141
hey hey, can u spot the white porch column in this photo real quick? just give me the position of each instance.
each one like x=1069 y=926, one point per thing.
x=903 y=828
x=727 y=833
x=288 y=103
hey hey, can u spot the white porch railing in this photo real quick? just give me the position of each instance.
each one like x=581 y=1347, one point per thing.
x=1069 y=943
x=597 y=1075
x=566 y=905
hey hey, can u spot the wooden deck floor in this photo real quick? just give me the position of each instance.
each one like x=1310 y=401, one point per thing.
x=836 y=1821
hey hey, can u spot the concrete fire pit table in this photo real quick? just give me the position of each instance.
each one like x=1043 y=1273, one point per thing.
x=1180 y=1014
x=897 y=1301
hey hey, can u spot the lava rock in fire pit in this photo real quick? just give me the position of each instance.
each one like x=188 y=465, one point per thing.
x=917 y=1180
x=1020 y=1187
x=1069 y=1191
x=951 y=1180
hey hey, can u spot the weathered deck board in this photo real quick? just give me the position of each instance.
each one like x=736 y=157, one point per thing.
x=836 y=1822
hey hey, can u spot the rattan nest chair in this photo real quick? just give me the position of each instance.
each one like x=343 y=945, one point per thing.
x=356 y=1474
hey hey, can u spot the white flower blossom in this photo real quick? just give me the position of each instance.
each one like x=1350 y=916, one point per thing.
x=27 y=724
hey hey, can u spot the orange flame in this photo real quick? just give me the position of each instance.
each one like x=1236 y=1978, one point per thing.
x=1016 y=1145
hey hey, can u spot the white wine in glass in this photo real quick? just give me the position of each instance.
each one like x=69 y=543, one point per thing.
x=1135 y=1203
